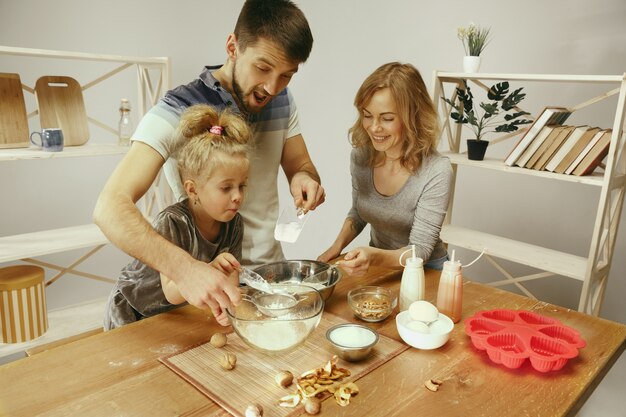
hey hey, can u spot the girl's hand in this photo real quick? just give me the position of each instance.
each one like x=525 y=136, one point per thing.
x=222 y=318
x=226 y=263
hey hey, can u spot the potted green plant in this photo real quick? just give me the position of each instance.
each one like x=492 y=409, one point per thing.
x=474 y=39
x=499 y=114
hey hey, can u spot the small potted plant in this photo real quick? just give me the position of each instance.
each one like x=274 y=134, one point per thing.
x=474 y=39
x=498 y=114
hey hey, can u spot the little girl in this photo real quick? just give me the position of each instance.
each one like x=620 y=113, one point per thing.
x=213 y=165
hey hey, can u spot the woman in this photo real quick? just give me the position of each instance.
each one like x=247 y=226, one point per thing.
x=400 y=183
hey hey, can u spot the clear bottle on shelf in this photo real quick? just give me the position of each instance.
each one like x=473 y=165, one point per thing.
x=450 y=292
x=125 y=128
x=412 y=285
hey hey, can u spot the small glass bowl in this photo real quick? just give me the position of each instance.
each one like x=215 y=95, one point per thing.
x=371 y=303
x=352 y=342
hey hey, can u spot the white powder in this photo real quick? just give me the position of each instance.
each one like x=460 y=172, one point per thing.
x=287 y=232
x=350 y=336
x=274 y=335
x=317 y=285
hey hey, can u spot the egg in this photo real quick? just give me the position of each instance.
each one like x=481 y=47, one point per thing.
x=418 y=326
x=423 y=311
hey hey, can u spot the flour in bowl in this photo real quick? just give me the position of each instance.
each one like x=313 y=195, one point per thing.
x=274 y=335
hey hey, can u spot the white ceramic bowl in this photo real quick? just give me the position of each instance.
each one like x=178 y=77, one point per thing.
x=439 y=335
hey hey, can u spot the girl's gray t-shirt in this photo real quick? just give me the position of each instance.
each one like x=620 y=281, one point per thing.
x=138 y=293
x=413 y=215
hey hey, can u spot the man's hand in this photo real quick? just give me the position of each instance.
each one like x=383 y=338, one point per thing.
x=204 y=285
x=307 y=193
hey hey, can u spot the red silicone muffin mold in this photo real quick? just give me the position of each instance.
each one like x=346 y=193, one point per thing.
x=512 y=336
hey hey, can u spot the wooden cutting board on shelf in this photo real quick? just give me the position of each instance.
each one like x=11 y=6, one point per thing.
x=13 y=119
x=60 y=101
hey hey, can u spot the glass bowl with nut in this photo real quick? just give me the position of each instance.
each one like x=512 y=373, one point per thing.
x=275 y=334
x=371 y=303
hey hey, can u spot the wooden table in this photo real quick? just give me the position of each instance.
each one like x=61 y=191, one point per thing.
x=117 y=373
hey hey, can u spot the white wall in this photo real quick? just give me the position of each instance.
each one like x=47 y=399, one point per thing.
x=352 y=38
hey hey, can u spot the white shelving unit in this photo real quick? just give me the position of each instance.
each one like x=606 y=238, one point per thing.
x=26 y=247
x=592 y=270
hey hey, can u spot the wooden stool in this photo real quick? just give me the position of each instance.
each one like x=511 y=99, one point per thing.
x=23 y=314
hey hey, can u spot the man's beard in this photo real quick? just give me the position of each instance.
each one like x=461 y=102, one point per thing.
x=239 y=96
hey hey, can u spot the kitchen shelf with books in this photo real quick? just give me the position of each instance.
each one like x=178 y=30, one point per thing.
x=151 y=82
x=595 y=178
x=592 y=270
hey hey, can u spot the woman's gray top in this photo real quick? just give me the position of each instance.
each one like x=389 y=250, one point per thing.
x=411 y=216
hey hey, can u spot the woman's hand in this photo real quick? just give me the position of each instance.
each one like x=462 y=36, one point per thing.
x=329 y=254
x=357 y=261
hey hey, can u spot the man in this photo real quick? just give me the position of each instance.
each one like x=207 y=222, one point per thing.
x=271 y=39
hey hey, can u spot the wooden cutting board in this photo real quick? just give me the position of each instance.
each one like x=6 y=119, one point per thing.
x=60 y=101
x=13 y=119
x=252 y=380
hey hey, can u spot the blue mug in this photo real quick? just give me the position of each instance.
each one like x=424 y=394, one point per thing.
x=51 y=139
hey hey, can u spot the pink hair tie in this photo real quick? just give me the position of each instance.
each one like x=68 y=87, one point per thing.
x=216 y=130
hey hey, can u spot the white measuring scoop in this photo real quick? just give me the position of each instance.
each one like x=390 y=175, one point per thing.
x=290 y=224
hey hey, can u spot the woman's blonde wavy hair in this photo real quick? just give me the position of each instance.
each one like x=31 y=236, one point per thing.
x=420 y=124
x=200 y=151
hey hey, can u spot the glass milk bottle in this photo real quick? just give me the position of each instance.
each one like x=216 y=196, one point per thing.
x=412 y=283
x=125 y=127
x=450 y=293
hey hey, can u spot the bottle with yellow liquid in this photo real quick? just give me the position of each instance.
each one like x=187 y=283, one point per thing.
x=450 y=293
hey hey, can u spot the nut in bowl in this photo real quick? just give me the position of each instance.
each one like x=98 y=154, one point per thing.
x=432 y=336
x=352 y=342
x=372 y=303
x=277 y=333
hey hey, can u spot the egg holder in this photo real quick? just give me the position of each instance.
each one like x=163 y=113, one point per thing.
x=512 y=336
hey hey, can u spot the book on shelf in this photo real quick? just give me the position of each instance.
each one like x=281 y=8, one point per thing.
x=534 y=146
x=555 y=145
x=538 y=146
x=584 y=152
x=595 y=155
x=565 y=147
x=571 y=154
x=548 y=116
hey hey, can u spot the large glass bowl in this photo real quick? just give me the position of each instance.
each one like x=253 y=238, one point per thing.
x=319 y=275
x=277 y=333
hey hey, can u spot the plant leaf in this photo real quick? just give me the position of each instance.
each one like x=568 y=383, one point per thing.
x=471 y=118
x=458 y=118
x=498 y=91
x=515 y=115
x=466 y=97
x=511 y=127
x=490 y=109
x=513 y=99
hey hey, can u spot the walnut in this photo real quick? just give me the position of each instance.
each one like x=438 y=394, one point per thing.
x=312 y=405
x=228 y=361
x=254 y=410
x=218 y=340
x=284 y=378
